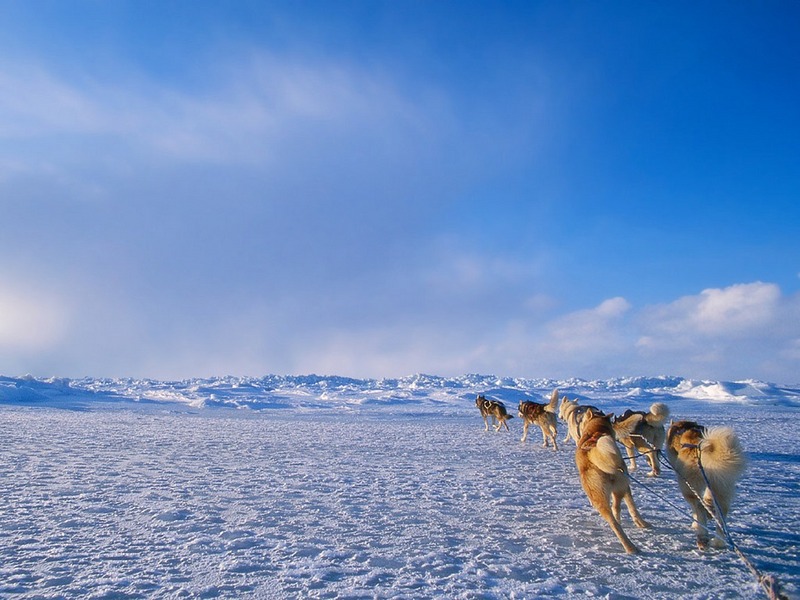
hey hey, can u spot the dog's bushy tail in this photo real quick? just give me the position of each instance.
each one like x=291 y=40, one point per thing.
x=553 y=406
x=607 y=457
x=722 y=457
x=562 y=407
x=658 y=415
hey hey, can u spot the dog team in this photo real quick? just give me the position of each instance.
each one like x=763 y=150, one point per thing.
x=708 y=461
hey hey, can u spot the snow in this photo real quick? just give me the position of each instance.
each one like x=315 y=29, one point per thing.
x=330 y=487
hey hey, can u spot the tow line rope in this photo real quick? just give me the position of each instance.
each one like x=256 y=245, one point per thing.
x=768 y=583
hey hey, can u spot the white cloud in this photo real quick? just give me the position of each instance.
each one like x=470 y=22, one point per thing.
x=743 y=322
x=597 y=329
x=741 y=331
x=748 y=331
x=733 y=311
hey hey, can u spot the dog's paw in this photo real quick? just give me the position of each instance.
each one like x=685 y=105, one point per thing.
x=718 y=543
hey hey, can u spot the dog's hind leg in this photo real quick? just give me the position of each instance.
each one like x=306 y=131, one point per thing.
x=544 y=436
x=652 y=458
x=631 y=456
x=701 y=515
x=600 y=497
x=634 y=512
x=572 y=432
x=699 y=512
x=605 y=512
x=713 y=502
x=616 y=501
x=554 y=436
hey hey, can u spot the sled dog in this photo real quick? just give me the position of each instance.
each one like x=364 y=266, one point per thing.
x=718 y=451
x=573 y=415
x=543 y=415
x=495 y=410
x=604 y=476
x=643 y=432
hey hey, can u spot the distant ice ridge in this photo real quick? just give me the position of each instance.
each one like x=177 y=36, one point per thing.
x=414 y=392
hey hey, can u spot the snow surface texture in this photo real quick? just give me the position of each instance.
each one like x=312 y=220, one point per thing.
x=337 y=488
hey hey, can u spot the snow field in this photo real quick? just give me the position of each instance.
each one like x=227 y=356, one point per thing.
x=155 y=502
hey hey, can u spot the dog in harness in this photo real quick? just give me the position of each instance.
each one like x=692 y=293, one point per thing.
x=603 y=475
x=543 y=415
x=718 y=451
x=643 y=432
x=494 y=410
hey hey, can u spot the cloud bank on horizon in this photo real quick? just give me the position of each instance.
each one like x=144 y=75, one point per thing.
x=377 y=189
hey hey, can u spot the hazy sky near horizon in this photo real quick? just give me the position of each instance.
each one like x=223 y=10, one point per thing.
x=375 y=188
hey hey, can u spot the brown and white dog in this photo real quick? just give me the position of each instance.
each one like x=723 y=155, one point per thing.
x=495 y=410
x=718 y=451
x=643 y=432
x=543 y=415
x=573 y=414
x=604 y=476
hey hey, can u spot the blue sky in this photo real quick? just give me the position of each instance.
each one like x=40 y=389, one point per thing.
x=376 y=189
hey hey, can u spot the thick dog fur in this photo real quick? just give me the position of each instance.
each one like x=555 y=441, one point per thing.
x=543 y=415
x=495 y=410
x=718 y=450
x=643 y=432
x=573 y=415
x=603 y=475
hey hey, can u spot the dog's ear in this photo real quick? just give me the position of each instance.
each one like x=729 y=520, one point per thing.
x=589 y=414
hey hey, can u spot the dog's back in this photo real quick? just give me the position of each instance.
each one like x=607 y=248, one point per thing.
x=718 y=450
x=643 y=432
x=597 y=448
x=531 y=411
x=636 y=421
x=573 y=414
